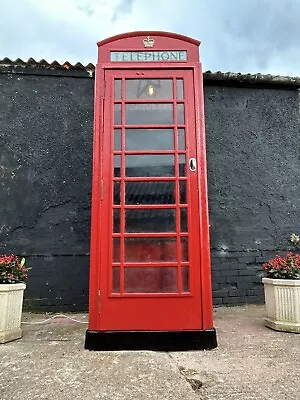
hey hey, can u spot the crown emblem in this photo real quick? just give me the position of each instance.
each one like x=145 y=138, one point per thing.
x=148 y=42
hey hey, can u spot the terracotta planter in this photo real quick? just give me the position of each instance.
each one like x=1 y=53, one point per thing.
x=11 y=301
x=282 y=297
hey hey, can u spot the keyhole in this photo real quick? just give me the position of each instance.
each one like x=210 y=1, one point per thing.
x=193 y=164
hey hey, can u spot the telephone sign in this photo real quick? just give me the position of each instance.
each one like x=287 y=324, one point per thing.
x=146 y=56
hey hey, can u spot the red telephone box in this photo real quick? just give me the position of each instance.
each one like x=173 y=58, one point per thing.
x=150 y=284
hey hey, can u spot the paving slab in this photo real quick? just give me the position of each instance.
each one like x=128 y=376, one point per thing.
x=251 y=362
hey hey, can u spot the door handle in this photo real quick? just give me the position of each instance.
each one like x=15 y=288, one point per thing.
x=193 y=164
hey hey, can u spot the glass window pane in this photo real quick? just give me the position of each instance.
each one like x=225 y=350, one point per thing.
x=117 y=193
x=150 y=193
x=117 y=118
x=116 y=221
x=116 y=280
x=116 y=250
x=118 y=88
x=179 y=84
x=150 y=221
x=149 y=89
x=117 y=166
x=182 y=190
x=117 y=139
x=181 y=139
x=183 y=220
x=150 y=165
x=150 y=280
x=149 y=139
x=184 y=249
x=150 y=113
x=182 y=170
x=180 y=114
x=150 y=249
x=185 y=279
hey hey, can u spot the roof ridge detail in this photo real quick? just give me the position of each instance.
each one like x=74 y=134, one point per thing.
x=31 y=62
x=210 y=78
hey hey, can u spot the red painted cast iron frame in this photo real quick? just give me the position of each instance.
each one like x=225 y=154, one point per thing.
x=132 y=42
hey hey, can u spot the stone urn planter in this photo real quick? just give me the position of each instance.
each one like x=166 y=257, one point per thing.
x=11 y=302
x=282 y=298
x=12 y=276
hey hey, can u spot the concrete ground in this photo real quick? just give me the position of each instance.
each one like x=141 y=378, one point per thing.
x=251 y=362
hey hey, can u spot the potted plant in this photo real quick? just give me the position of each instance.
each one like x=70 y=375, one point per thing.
x=12 y=276
x=282 y=291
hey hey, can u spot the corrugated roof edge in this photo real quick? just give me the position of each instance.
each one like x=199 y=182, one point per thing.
x=227 y=78
x=210 y=78
x=31 y=62
x=43 y=67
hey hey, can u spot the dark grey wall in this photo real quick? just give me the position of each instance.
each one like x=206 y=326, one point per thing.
x=45 y=176
x=254 y=183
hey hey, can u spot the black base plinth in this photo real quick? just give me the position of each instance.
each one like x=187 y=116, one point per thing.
x=151 y=340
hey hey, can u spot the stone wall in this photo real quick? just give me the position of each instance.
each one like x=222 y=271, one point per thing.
x=46 y=127
x=254 y=175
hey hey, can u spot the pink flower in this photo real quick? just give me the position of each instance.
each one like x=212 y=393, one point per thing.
x=283 y=267
x=12 y=269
